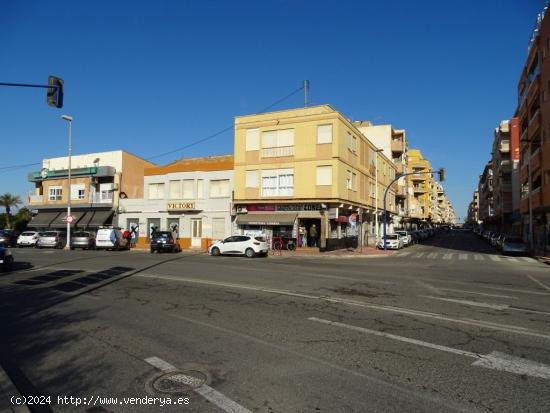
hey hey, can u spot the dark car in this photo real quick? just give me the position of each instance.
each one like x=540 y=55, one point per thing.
x=8 y=238
x=164 y=241
x=6 y=259
x=83 y=239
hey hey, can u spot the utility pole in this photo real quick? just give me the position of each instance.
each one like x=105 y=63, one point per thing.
x=306 y=92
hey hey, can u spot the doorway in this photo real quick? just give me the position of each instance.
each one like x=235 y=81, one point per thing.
x=309 y=232
x=196 y=232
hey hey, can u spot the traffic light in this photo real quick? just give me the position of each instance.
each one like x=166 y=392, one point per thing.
x=55 y=94
x=441 y=174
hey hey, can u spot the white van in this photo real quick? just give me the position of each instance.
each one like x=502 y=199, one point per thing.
x=110 y=239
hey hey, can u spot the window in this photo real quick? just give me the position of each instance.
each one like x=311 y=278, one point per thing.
x=252 y=139
x=219 y=188
x=352 y=143
x=354 y=182
x=278 y=143
x=156 y=191
x=348 y=180
x=278 y=182
x=324 y=175
x=324 y=134
x=106 y=191
x=175 y=189
x=252 y=179
x=188 y=192
x=218 y=228
x=77 y=191
x=55 y=193
x=200 y=188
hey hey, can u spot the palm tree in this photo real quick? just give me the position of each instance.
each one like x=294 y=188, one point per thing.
x=8 y=201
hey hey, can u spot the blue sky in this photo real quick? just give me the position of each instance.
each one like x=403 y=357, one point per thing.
x=149 y=77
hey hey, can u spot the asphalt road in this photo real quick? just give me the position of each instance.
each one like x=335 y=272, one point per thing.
x=446 y=326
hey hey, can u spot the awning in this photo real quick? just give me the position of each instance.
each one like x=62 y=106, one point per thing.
x=95 y=219
x=59 y=223
x=266 y=219
x=43 y=219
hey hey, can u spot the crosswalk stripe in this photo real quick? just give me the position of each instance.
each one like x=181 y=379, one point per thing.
x=432 y=255
x=403 y=254
x=528 y=259
x=478 y=257
x=447 y=256
x=494 y=257
x=462 y=256
x=419 y=255
x=512 y=259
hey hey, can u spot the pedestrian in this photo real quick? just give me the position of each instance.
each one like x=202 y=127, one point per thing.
x=313 y=236
x=133 y=235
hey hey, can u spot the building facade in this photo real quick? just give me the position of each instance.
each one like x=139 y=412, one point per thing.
x=421 y=186
x=99 y=181
x=190 y=197
x=311 y=175
x=534 y=124
x=485 y=190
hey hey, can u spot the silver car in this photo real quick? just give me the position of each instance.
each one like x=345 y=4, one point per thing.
x=52 y=239
x=83 y=239
x=514 y=245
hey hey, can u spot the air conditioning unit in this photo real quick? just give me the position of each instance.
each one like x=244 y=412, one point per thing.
x=241 y=210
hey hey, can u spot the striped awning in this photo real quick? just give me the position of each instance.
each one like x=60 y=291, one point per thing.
x=43 y=219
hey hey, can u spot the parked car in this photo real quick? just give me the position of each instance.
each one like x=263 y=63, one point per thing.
x=28 y=239
x=52 y=239
x=8 y=238
x=6 y=259
x=393 y=242
x=406 y=236
x=83 y=239
x=164 y=241
x=493 y=239
x=514 y=245
x=240 y=245
x=110 y=239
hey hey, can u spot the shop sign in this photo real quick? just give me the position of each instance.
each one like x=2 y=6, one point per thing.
x=181 y=206
x=283 y=207
x=261 y=208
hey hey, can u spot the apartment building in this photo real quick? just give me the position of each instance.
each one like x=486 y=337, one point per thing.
x=309 y=174
x=98 y=182
x=505 y=159
x=534 y=120
x=190 y=197
x=420 y=203
x=393 y=143
x=473 y=210
x=485 y=189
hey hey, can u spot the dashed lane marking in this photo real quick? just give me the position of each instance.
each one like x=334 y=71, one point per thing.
x=432 y=255
x=419 y=255
x=448 y=256
x=462 y=256
x=494 y=257
x=478 y=293
x=213 y=396
x=470 y=303
x=495 y=360
x=511 y=259
x=478 y=257
x=538 y=282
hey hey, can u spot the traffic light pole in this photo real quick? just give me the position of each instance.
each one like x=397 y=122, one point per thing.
x=441 y=173
x=54 y=86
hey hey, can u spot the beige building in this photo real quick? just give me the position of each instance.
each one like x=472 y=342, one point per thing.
x=309 y=174
x=98 y=182
x=420 y=203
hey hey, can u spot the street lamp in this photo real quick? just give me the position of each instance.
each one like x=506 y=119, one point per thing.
x=376 y=195
x=68 y=244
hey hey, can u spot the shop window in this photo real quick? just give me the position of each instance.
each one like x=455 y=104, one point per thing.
x=156 y=191
x=219 y=188
x=252 y=139
x=175 y=189
x=55 y=193
x=324 y=175
x=324 y=134
x=252 y=179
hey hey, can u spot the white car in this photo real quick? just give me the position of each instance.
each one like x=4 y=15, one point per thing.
x=28 y=239
x=110 y=239
x=393 y=242
x=407 y=238
x=240 y=245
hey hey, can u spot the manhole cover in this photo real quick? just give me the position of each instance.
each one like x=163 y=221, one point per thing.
x=179 y=381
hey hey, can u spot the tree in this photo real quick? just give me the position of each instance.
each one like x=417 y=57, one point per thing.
x=8 y=201
x=21 y=219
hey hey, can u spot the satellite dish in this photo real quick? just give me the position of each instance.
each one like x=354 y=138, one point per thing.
x=44 y=173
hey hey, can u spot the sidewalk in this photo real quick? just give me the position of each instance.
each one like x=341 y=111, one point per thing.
x=365 y=252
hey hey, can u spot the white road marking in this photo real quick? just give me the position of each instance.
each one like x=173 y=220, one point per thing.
x=478 y=293
x=494 y=257
x=538 y=282
x=478 y=257
x=432 y=255
x=528 y=259
x=471 y=303
x=462 y=256
x=512 y=259
x=419 y=255
x=380 y=307
x=516 y=290
x=429 y=287
x=213 y=396
x=495 y=360
x=447 y=256
x=403 y=254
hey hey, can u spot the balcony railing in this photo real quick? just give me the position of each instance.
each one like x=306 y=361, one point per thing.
x=279 y=151
x=36 y=199
x=397 y=146
x=98 y=198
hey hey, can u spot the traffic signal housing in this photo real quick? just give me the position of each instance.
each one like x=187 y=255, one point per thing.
x=441 y=174
x=55 y=93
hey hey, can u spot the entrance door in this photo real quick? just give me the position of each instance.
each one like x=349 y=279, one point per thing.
x=196 y=232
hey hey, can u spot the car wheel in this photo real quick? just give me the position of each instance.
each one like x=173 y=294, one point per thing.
x=249 y=253
x=215 y=251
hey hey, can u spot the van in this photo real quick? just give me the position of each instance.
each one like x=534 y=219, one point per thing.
x=110 y=239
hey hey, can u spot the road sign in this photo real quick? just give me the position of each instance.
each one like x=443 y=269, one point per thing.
x=69 y=219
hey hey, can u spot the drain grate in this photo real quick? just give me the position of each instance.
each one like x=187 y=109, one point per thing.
x=179 y=381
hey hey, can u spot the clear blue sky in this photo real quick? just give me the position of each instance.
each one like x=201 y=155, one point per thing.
x=148 y=77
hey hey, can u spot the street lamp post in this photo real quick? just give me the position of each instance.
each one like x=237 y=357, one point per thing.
x=376 y=195
x=68 y=244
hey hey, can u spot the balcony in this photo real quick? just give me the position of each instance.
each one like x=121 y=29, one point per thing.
x=401 y=192
x=101 y=198
x=419 y=189
x=36 y=199
x=418 y=177
x=278 y=152
x=397 y=146
x=504 y=146
x=400 y=168
x=534 y=123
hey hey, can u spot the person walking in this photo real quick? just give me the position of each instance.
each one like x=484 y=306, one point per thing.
x=313 y=236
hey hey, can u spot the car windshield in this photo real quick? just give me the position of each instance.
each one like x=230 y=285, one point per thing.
x=163 y=235
x=261 y=239
x=392 y=236
x=50 y=234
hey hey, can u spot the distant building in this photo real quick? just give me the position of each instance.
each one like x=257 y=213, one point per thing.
x=485 y=189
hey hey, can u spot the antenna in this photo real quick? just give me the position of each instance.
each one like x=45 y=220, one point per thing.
x=306 y=91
